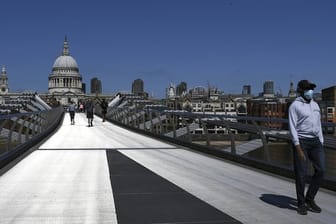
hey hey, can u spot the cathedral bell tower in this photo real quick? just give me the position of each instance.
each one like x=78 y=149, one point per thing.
x=291 y=92
x=3 y=81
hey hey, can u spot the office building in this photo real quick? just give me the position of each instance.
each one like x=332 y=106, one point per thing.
x=96 y=86
x=181 y=89
x=246 y=90
x=138 y=87
x=268 y=89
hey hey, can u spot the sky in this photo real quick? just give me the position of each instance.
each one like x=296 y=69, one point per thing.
x=223 y=43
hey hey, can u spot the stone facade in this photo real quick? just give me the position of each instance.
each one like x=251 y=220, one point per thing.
x=65 y=81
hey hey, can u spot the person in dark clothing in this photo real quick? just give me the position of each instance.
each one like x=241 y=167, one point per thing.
x=89 y=111
x=104 y=106
x=307 y=137
x=72 y=109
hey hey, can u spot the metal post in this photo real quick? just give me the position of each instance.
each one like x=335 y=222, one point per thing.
x=263 y=139
x=206 y=132
x=144 y=121
x=231 y=135
x=172 y=123
x=160 y=123
x=128 y=114
x=28 y=128
x=21 y=128
x=189 y=138
x=151 y=121
x=10 y=141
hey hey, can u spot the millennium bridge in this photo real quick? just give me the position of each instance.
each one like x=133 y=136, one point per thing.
x=146 y=164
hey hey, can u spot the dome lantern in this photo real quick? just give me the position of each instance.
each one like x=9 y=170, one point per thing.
x=65 y=47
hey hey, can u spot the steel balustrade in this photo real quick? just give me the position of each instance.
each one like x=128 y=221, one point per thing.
x=20 y=131
x=181 y=126
x=166 y=120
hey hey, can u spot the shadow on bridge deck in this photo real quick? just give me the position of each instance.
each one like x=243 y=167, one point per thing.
x=106 y=174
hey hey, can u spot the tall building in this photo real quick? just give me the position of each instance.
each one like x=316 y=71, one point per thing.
x=268 y=89
x=138 y=87
x=213 y=93
x=246 y=90
x=65 y=81
x=181 y=89
x=84 y=87
x=3 y=81
x=96 y=86
x=199 y=92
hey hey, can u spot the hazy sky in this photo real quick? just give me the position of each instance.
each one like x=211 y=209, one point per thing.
x=225 y=43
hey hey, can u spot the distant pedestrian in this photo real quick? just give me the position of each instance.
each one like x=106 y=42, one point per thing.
x=81 y=107
x=89 y=111
x=307 y=137
x=104 y=106
x=72 y=109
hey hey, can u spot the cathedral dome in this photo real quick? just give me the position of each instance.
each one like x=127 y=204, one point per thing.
x=65 y=76
x=65 y=61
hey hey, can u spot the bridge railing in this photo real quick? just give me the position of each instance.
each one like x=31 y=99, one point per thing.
x=255 y=141
x=186 y=125
x=20 y=131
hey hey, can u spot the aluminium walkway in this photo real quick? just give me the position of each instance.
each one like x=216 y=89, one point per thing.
x=106 y=174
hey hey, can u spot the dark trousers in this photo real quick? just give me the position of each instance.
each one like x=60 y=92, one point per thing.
x=314 y=153
x=72 y=115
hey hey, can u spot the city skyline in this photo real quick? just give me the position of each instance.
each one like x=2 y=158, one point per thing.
x=227 y=44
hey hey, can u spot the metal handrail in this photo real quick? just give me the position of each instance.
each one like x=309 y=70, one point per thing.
x=258 y=134
x=130 y=116
x=22 y=129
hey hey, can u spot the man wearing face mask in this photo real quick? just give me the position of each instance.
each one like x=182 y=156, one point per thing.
x=307 y=137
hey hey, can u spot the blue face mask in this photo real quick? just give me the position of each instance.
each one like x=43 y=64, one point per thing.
x=308 y=94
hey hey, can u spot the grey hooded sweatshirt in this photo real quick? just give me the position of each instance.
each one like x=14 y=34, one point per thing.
x=304 y=120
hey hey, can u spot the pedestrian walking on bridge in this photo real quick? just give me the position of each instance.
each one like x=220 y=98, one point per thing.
x=307 y=137
x=72 y=109
x=89 y=112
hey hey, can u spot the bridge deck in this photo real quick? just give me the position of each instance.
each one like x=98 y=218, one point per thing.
x=104 y=173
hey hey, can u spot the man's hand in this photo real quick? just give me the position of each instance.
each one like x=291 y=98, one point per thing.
x=300 y=153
